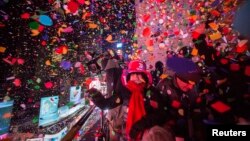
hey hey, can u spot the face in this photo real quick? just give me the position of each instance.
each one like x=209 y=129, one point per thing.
x=184 y=86
x=137 y=78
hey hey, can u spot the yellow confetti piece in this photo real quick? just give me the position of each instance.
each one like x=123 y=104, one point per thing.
x=150 y=48
x=194 y=52
x=194 y=17
x=135 y=45
x=215 y=36
x=163 y=76
x=181 y=112
x=92 y=25
x=87 y=2
x=35 y=32
x=48 y=63
x=109 y=39
x=214 y=26
x=123 y=32
x=2 y=49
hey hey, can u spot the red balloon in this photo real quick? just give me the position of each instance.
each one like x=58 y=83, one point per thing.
x=146 y=17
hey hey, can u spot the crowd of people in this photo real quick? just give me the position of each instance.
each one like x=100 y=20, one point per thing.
x=179 y=98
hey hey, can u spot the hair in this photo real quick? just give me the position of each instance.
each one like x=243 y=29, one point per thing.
x=144 y=76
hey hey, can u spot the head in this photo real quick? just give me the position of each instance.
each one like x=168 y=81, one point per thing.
x=159 y=65
x=137 y=72
x=187 y=73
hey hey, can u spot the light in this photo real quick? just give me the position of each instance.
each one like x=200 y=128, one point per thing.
x=119 y=45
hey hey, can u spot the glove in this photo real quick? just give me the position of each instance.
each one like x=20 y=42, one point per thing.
x=137 y=129
x=96 y=97
x=148 y=121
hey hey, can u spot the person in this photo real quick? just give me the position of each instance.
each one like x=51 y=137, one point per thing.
x=146 y=106
x=157 y=72
x=181 y=93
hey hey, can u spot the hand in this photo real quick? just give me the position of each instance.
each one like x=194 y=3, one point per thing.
x=137 y=130
x=96 y=97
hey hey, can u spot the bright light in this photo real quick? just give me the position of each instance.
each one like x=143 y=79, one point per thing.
x=119 y=45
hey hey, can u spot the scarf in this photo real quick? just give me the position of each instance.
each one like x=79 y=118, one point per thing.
x=136 y=104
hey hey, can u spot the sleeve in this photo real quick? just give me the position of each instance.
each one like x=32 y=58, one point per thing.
x=104 y=103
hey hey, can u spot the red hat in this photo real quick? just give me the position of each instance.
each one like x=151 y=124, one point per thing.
x=136 y=66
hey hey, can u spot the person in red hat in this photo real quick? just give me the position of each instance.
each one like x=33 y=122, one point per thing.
x=146 y=106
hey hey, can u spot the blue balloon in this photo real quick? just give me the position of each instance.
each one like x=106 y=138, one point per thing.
x=45 y=20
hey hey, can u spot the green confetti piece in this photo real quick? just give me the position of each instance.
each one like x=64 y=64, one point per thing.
x=192 y=12
x=198 y=42
x=37 y=87
x=70 y=104
x=34 y=25
x=134 y=38
x=148 y=94
x=30 y=81
x=35 y=119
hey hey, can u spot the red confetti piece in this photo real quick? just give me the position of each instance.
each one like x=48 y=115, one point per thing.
x=81 y=1
x=154 y=104
x=146 y=32
x=160 y=1
x=48 y=85
x=215 y=13
x=195 y=35
x=20 y=61
x=73 y=6
x=43 y=43
x=25 y=16
x=40 y=28
x=17 y=82
x=146 y=17
x=223 y=61
x=176 y=104
x=220 y=107
x=247 y=71
x=234 y=67
x=241 y=49
x=149 y=43
x=198 y=100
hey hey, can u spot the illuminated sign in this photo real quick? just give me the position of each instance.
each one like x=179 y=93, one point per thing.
x=48 y=110
x=5 y=116
x=75 y=94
